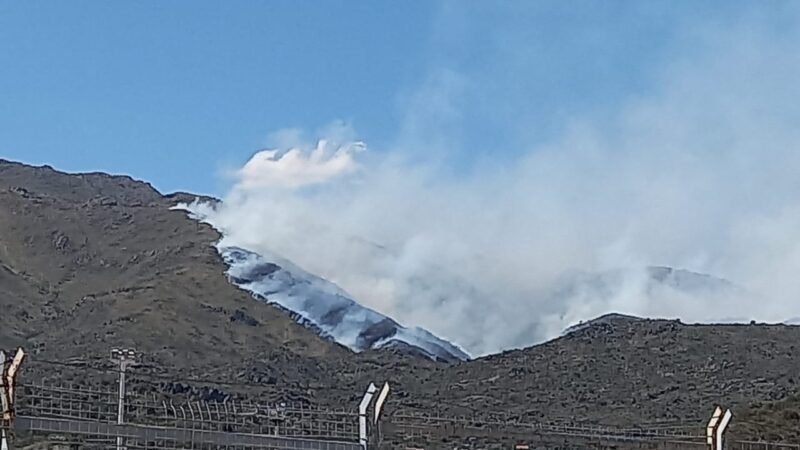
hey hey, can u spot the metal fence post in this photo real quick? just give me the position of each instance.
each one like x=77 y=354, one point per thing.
x=9 y=382
x=378 y=409
x=124 y=357
x=362 y=415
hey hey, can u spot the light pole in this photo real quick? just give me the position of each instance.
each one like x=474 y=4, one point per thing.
x=125 y=357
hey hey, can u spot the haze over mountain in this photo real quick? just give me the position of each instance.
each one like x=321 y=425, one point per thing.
x=336 y=314
x=576 y=296
x=690 y=174
x=439 y=269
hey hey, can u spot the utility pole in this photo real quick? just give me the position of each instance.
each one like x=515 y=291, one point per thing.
x=124 y=357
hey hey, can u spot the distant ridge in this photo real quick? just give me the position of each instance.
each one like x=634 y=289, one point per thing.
x=609 y=318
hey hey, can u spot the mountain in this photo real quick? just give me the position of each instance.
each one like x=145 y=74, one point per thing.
x=323 y=306
x=93 y=261
x=650 y=281
x=693 y=282
x=661 y=284
x=654 y=292
x=335 y=314
x=625 y=370
x=609 y=318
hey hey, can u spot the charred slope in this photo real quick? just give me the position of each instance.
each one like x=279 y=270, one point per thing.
x=330 y=311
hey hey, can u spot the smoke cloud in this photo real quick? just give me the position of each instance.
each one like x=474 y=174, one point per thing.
x=701 y=172
x=296 y=168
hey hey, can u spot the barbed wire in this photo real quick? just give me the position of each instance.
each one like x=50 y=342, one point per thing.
x=511 y=417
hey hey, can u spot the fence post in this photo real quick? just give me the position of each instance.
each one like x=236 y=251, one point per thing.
x=378 y=410
x=717 y=425
x=362 y=415
x=9 y=382
x=125 y=358
x=6 y=406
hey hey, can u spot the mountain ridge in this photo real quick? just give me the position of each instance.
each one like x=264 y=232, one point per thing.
x=89 y=263
x=104 y=258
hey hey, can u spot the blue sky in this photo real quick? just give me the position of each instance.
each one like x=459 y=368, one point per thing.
x=174 y=92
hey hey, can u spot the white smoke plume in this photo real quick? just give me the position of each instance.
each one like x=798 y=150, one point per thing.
x=702 y=172
x=296 y=168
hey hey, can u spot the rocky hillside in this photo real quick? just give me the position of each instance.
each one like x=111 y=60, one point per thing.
x=627 y=371
x=92 y=261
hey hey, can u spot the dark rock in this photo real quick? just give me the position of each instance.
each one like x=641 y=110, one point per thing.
x=243 y=317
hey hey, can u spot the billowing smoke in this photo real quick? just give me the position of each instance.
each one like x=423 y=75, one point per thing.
x=297 y=168
x=701 y=172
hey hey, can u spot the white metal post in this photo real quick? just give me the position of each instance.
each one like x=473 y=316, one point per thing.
x=723 y=424
x=5 y=445
x=124 y=357
x=9 y=382
x=6 y=401
x=715 y=431
x=378 y=409
x=362 y=415
x=712 y=426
